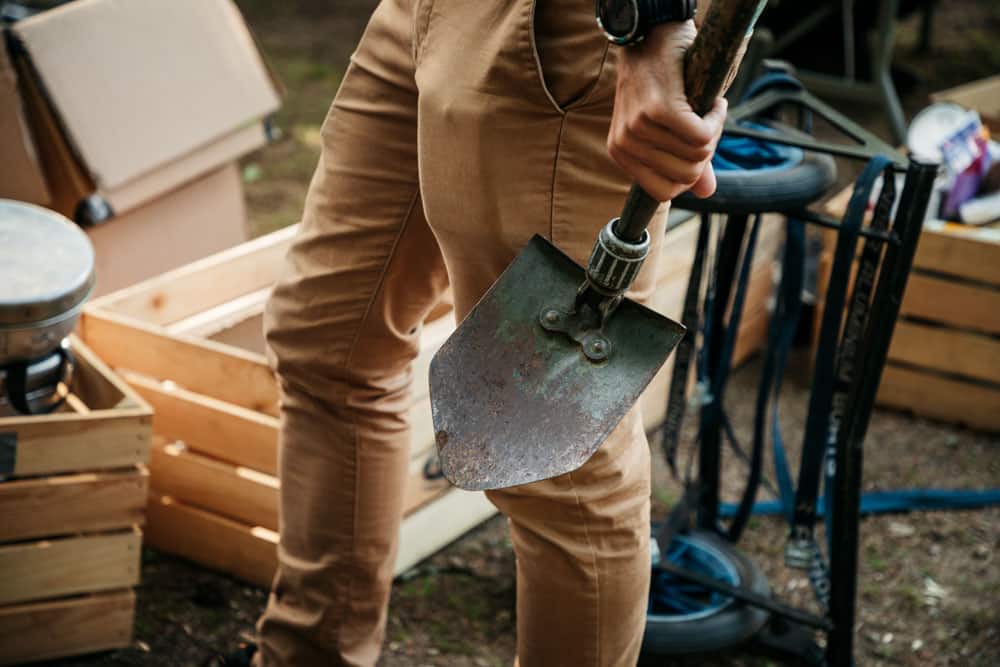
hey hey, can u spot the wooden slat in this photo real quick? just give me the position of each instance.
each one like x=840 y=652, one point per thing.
x=227 y=373
x=63 y=504
x=960 y=253
x=438 y=524
x=225 y=431
x=101 y=387
x=70 y=626
x=54 y=568
x=948 y=350
x=70 y=442
x=250 y=553
x=209 y=322
x=216 y=542
x=204 y=284
x=247 y=495
x=434 y=335
x=233 y=491
x=752 y=335
x=95 y=382
x=940 y=398
x=246 y=334
x=952 y=303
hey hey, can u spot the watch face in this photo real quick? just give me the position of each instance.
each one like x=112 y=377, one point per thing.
x=618 y=18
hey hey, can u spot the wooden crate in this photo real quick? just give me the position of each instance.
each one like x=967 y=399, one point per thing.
x=944 y=359
x=72 y=497
x=190 y=343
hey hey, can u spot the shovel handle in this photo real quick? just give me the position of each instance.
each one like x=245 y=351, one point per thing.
x=709 y=68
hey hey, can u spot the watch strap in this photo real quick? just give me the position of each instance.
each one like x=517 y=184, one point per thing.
x=654 y=12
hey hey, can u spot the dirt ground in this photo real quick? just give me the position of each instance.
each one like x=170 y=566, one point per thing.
x=929 y=582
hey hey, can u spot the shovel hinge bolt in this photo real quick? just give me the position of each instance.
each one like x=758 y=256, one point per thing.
x=614 y=263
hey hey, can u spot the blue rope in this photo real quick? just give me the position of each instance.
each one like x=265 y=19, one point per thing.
x=893 y=502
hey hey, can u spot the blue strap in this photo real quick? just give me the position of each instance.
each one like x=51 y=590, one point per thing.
x=893 y=502
x=792 y=278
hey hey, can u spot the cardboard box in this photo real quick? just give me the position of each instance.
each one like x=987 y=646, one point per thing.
x=198 y=219
x=20 y=168
x=982 y=96
x=131 y=100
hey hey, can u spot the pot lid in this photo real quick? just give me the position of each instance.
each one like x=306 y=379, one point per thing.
x=46 y=264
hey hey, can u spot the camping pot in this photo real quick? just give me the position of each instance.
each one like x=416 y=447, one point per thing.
x=46 y=275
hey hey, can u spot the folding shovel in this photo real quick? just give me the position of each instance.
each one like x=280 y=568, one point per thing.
x=553 y=356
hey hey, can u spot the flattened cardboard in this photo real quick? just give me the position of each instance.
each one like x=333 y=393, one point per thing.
x=20 y=167
x=201 y=218
x=148 y=94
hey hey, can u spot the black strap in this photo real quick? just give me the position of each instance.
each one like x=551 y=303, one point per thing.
x=677 y=400
x=710 y=435
x=854 y=325
x=802 y=550
x=781 y=335
x=821 y=397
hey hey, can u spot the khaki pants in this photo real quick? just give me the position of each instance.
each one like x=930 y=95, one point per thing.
x=461 y=129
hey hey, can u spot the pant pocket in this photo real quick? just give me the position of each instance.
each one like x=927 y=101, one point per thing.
x=569 y=52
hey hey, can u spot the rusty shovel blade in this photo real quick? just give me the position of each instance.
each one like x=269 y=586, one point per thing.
x=514 y=403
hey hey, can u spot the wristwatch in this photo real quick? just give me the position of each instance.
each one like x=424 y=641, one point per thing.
x=627 y=22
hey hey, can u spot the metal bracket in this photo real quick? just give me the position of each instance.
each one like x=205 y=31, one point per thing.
x=594 y=344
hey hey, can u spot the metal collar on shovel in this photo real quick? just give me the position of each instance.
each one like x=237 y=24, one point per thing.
x=553 y=356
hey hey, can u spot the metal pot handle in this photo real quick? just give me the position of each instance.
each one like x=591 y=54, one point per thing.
x=17 y=384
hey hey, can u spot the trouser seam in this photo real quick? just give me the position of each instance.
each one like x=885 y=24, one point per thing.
x=381 y=280
x=555 y=175
x=348 y=597
x=594 y=568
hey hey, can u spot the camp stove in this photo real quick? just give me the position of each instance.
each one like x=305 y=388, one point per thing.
x=46 y=275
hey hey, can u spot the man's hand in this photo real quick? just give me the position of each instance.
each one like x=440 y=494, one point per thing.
x=655 y=136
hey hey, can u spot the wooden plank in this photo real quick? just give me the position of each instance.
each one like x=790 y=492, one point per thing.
x=209 y=322
x=247 y=495
x=236 y=492
x=54 y=568
x=246 y=334
x=70 y=442
x=63 y=504
x=71 y=626
x=91 y=381
x=434 y=334
x=250 y=552
x=438 y=524
x=226 y=373
x=203 y=284
x=247 y=552
x=952 y=303
x=941 y=398
x=948 y=350
x=970 y=253
x=752 y=335
x=225 y=431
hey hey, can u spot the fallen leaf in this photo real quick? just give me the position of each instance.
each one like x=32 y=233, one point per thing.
x=900 y=529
